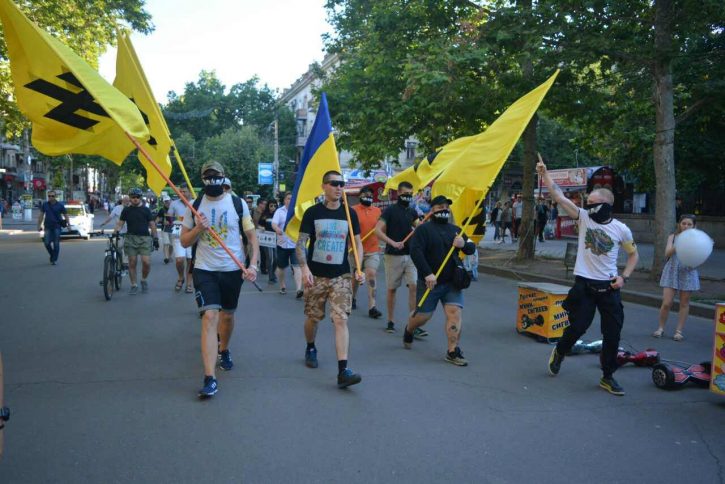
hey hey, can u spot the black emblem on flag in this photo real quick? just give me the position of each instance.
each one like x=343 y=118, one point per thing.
x=70 y=102
x=478 y=221
x=152 y=140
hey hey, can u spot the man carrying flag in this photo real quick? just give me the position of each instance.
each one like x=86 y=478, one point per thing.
x=326 y=272
x=368 y=216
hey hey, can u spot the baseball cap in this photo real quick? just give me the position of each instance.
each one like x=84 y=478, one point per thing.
x=212 y=165
x=165 y=197
x=441 y=199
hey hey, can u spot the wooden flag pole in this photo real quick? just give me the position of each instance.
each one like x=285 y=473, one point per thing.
x=352 y=235
x=425 y=219
x=448 y=256
x=214 y=235
x=364 y=238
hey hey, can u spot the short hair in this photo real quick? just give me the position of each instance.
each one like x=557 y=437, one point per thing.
x=405 y=184
x=366 y=190
x=183 y=185
x=327 y=175
x=605 y=193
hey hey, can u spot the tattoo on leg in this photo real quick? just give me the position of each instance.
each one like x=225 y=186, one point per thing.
x=453 y=328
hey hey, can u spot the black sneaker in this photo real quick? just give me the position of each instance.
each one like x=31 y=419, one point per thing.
x=611 y=385
x=311 y=358
x=225 y=360
x=354 y=303
x=210 y=387
x=347 y=378
x=420 y=333
x=407 y=338
x=374 y=313
x=555 y=362
x=391 y=327
x=166 y=260
x=299 y=294
x=456 y=357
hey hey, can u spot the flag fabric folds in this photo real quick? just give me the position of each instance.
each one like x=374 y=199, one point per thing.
x=318 y=157
x=72 y=108
x=131 y=81
x=475 y=164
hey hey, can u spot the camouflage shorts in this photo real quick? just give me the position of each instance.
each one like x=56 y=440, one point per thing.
x=337 y=291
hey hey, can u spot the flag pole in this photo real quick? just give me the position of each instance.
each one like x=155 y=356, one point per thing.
x=211 y=232
x=425 y=219
x=183 y=169
x=364 y=238
x=448 y=256
x=352 y=235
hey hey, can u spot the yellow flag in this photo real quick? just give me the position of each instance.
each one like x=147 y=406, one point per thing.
x=318 y=157
x=72 y=108
x=131 y=80
x=477 y=163
x=407 y=175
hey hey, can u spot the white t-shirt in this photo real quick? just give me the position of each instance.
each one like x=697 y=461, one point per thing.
x=599 y=247
x=116 y=216
x=177 y=209
x=518 y=209
x=280 y=218
x=210 y=256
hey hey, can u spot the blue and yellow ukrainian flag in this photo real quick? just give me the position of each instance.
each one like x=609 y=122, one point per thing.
x=319 y=157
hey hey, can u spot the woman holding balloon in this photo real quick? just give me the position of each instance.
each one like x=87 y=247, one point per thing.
x=677 y=276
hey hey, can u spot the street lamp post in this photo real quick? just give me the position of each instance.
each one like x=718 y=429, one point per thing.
x=276 y=156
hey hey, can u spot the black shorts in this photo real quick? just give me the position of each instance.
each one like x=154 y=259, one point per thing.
x=285 y=257
x=217 y=290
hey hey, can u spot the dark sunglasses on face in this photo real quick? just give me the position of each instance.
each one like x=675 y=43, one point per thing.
x=336 y=183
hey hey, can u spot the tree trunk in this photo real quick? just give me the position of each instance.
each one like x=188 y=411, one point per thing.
x=664 y=145
x=527 y=234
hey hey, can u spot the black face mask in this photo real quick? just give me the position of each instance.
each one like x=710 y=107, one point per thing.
x=367 y=201
x=599 y=212
x=405 y=200
x=442 y=216
x=213 y=190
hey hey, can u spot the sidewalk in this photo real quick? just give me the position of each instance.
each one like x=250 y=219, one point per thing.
x=500 y=260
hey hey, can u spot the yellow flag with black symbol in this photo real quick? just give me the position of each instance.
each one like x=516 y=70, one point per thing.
x=477 y=163
x=72 y=108
x=131 y=80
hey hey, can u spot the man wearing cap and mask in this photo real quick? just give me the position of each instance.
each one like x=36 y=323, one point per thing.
x=217 y=278
x=428 y=249
x=394 y=225
x=368 y=215
x=598 y=282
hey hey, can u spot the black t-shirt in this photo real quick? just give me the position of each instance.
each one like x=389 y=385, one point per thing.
x=429 y=246
x=329 y=239
x=137 y=219
x=164 y=221
x=398 y=224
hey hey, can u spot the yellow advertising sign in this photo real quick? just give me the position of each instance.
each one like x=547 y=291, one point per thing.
x=540 y=312
x=717 y=379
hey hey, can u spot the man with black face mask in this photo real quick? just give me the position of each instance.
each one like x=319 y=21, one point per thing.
x=394 y=225
x=428 y=249
x=597 y=282
x=368 y=216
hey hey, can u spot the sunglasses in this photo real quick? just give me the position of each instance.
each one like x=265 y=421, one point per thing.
x=336 y=183
x=51 y=196
x=134 y=196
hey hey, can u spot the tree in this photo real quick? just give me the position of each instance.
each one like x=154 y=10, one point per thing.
x=88 y=26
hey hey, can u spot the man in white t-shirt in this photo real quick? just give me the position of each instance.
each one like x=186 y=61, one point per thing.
x=598 y=284
x=286 y=249
x=217 y=278
x=177 y=211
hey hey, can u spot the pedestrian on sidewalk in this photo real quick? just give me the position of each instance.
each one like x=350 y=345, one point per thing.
x=217 y=278
x=676 y=277
x=428 y=248
x=286 y=250
x=138 y=241
x=395 y=224
x=518 y=210
x=368 y=216
x=53 y=217
x=542 y=215
x=597 y=284
x=326 y=272
x=505 y=216
x=496 y=221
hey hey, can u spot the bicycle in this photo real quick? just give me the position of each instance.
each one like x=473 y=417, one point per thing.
x=112 y=267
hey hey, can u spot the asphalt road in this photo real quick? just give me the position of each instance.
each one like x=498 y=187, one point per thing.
x=106 y=392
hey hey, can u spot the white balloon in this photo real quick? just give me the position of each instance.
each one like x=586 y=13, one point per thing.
x=693 y=247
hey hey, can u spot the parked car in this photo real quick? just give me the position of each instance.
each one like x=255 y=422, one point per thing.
x=81 y=222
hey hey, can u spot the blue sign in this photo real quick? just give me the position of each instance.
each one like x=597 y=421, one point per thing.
x=264 y=174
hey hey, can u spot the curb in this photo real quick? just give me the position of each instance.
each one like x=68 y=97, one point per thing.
x=644 y=298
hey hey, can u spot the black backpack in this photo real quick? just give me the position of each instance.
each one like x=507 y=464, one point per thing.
x=237 y=206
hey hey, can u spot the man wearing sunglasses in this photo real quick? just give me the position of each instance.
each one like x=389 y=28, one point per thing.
x=217 y=277
x=138 y=242
x=52 y=218
x=326 y=272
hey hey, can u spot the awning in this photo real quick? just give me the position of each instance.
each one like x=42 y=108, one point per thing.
x=39 y=184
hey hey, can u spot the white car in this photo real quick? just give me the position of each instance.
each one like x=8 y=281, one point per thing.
x=81 y=222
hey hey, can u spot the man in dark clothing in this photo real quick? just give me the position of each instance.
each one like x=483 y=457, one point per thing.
x=396 y=222
x=51 y=214
x=428 y=248
x=542 y=216
x=138 y=242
